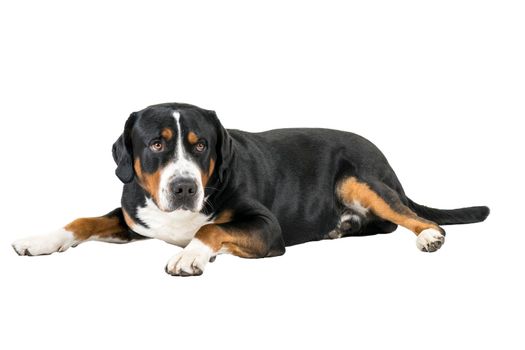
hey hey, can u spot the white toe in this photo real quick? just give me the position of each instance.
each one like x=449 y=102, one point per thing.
x=430 y=240
x=190 y=261
x=57 y=241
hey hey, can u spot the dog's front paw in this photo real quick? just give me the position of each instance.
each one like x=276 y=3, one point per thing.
x=430 y=240
x=191 y=260
x=58 y=241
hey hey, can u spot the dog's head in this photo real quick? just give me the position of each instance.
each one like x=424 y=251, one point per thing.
x=173 y=151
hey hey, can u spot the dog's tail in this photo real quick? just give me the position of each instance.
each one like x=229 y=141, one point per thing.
x=450 y=216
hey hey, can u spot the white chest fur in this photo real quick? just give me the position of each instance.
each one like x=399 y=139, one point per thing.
x=177 y=227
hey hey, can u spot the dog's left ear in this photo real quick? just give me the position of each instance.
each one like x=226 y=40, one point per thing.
x=224 y=148
x=123 y=152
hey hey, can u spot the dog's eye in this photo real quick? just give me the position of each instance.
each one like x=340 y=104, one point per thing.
x=157 y=146
x=200 y=147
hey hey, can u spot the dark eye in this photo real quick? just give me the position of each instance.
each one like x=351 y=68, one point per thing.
x=199 y=147
x=156 y=146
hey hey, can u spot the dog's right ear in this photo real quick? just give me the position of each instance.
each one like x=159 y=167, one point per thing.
x=123 y=152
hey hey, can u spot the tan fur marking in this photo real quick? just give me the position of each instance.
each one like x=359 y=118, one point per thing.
x=224 y=217
x=237 y=243
x=351 y=190
x=138 y=168
x=102 y=226
x=206 y=177
x=127 y=218
x=192 y=138
x=150 y=182
x=167 y=134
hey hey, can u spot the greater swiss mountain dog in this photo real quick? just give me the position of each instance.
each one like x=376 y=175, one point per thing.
x=192 y=183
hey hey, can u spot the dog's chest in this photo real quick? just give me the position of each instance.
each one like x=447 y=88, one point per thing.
x=177 y=227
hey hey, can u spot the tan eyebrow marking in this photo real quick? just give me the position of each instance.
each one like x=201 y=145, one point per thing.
x=192 y=138
x=167 y=133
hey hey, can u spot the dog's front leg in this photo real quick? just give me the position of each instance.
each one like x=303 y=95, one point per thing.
x=111 y=228
x=251 y=234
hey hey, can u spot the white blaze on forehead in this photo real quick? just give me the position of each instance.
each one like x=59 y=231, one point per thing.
x=181 y=166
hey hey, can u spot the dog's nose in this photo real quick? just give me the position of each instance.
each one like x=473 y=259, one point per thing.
x=184 y=188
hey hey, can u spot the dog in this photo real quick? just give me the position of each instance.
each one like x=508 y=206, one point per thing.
x=192 y=183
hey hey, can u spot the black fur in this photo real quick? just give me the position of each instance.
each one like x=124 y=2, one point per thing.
x=280 y=184
x=452 y=216
x=122 y=152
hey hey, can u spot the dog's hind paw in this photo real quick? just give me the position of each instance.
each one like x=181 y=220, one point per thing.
x=430 y=240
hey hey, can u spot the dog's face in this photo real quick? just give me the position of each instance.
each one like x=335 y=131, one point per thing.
x=173 y=151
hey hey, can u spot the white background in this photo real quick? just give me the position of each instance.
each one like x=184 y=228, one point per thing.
x=438 y=86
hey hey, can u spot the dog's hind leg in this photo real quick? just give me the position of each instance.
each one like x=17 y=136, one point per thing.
x=386 y=204
x=111 y=228
x=352 y=224
x=349 y=224
x=378 y=226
